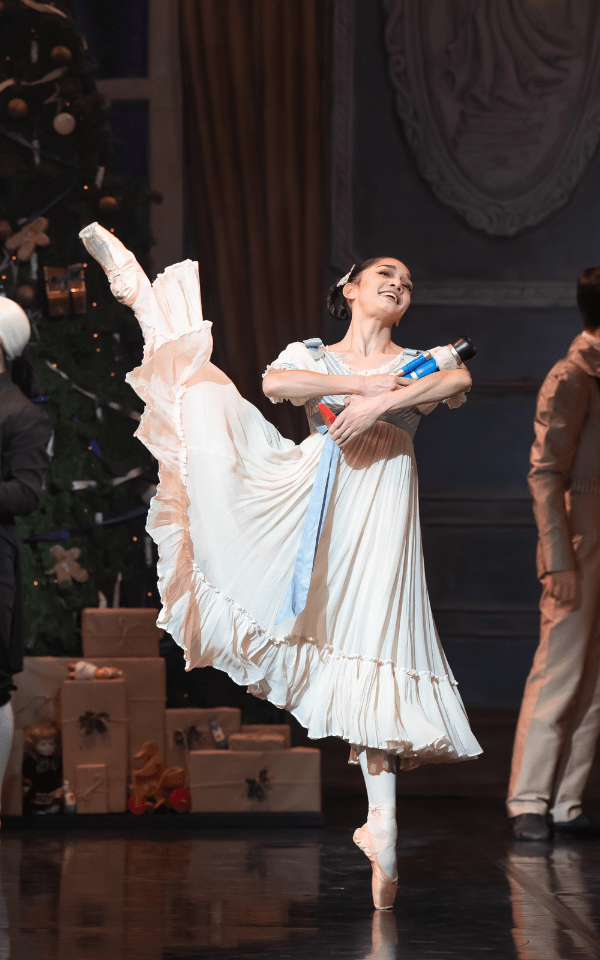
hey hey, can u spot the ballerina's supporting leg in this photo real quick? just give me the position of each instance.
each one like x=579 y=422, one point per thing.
x=377 y=838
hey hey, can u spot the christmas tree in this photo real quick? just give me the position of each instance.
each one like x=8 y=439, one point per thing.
x=57 y=173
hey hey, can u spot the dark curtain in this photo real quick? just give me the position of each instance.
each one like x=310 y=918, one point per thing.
x=254 y=119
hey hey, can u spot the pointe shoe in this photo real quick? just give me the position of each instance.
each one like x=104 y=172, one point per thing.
x=384 y=887
x=128 y=282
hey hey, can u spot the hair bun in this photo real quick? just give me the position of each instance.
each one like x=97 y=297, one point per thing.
x=336 y=304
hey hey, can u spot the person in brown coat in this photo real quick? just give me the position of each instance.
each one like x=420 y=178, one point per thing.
x=559 y=720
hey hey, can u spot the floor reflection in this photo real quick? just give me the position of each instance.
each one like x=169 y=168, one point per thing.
x=553 y=906
x=465 y=892
x=384 y=936
x=103 y=899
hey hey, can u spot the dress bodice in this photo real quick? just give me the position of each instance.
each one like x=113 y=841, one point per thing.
x=407 y=420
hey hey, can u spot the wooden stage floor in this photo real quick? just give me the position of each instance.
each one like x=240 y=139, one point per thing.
x=466 y=891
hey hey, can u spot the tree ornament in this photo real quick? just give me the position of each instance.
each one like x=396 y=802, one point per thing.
x=64 y=123
x=66 y=569
x=108 y=204
x=5 y=230
x=29 y=237
x=26 y=295
x=60 y=54
x=17 y=108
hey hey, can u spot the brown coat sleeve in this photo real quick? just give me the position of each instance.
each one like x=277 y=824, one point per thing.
x=562 y=406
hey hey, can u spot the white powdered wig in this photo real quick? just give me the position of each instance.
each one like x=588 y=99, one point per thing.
x=14 y=328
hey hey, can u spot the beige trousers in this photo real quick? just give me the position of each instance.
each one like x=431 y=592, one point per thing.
x=559 y=720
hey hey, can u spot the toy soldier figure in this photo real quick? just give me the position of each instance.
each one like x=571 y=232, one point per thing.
x=560 y=714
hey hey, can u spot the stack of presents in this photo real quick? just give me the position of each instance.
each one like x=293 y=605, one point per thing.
x=101 y=726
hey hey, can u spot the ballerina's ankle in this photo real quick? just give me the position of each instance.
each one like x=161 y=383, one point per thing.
x=382 y=821
x=383 y=828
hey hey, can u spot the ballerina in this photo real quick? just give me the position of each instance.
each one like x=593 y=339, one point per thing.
x=355 y=653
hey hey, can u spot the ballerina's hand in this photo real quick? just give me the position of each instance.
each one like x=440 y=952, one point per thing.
x=360 y=414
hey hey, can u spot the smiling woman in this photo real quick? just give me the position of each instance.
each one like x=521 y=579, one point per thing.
x=340 y=634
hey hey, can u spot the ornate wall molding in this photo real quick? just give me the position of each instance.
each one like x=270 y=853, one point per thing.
x=502 y=294
x=503 y=136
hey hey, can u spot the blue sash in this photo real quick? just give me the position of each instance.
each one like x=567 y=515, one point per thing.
x=295 y=598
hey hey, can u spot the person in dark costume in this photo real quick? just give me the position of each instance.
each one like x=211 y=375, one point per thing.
x=25 y=437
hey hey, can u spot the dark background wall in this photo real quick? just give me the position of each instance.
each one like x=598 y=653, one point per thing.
x=478 y=528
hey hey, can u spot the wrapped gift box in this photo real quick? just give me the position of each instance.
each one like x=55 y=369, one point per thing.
x=12 y=785
x=57 y=291
x=279 y=780
x=38 y=689
x=269 y=728
x=91 y=788
x=146 y=690
x=94 y=731
x=76 y=283
x=188 y=729
x=120 y=632
x=256 y=742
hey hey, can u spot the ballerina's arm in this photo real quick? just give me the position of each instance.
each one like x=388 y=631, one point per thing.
x=304 y=384
x=361 y=413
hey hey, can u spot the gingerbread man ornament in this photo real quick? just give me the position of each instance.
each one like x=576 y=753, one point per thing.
x=66 y=569
x=29 y=237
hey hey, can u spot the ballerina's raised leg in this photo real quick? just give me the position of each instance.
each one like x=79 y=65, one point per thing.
x=377 y=837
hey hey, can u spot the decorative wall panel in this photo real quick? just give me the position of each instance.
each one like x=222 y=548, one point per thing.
x=499 y=101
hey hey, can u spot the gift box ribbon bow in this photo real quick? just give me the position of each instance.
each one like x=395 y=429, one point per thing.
x=189 y=737
x=257 y=786
x=90 y=722
x=71 y=273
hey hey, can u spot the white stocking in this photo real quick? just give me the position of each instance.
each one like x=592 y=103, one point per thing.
x=379 y=771
x=7 y=725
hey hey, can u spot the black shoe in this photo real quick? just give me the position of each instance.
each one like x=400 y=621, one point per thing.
x=584 y=827
x=530 y=826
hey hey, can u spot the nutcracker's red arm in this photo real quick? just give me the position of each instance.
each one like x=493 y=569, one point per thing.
x=327 y=415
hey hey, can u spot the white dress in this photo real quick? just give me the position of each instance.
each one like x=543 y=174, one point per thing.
x=363 y=660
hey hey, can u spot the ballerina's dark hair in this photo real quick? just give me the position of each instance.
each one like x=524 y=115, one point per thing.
x=338 y=306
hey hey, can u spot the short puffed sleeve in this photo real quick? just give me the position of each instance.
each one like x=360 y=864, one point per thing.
x=296 y=356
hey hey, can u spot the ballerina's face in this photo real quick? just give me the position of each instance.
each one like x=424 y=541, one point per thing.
x=383 y=290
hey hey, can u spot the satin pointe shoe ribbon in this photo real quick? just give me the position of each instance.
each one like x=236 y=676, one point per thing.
x=295 y=598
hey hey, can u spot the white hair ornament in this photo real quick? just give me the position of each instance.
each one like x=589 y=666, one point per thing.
x=346 y=277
